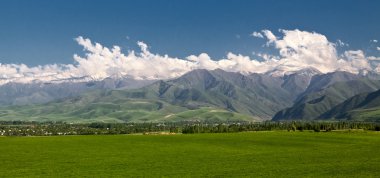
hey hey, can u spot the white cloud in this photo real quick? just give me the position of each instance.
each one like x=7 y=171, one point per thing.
x=302 y=49
x=373 y=41
x=270 y=36
x=102 y=62
x=378 y=48
x=373 y=58
x=297 y=50
x=266 y=57
x=257 y=35
x=341 y=43
x=355 y=61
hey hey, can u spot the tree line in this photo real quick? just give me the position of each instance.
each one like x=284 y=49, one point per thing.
x=269 y=126
x=25 y=128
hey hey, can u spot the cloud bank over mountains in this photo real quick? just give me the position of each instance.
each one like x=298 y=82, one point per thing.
x=296 y=50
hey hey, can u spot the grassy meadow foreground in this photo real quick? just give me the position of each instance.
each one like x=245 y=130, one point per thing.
x=253 y=154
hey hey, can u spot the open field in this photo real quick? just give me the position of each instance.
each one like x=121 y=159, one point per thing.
x=253 y=154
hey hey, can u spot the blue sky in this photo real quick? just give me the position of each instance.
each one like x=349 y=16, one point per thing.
x=42 y=32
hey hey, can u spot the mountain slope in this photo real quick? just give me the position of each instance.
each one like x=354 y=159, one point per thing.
x=325 y=92
x=200 y=94
x=115 y=106
x=42 y=92
x=197 y=95
x=364 y=107
x=322 y=81
x=297 y=82
x=257 y=95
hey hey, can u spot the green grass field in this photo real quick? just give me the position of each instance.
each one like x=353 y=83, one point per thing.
x=253 y=154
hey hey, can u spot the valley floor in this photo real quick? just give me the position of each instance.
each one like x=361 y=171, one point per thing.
x=252 y=154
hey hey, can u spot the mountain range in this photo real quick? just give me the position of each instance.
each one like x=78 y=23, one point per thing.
x=206 y=95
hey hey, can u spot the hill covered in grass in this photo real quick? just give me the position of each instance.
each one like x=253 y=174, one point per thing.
x=101 y=106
